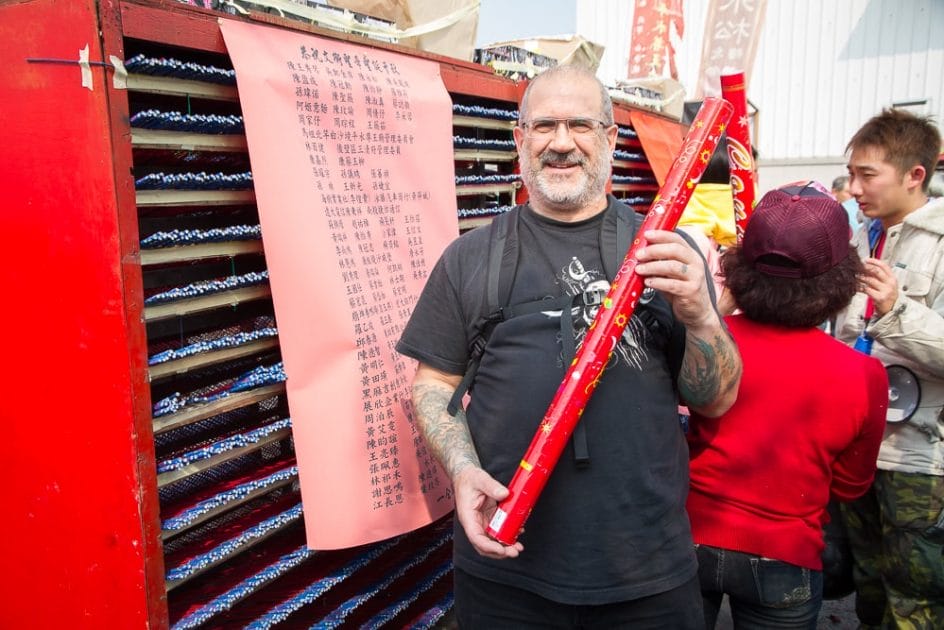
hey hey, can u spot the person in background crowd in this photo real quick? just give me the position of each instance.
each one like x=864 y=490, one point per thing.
x=809 y=410
x=711 y=207
x=709 y=216
x=897 y=529
x=608 y=543
x=936 y=186
x=840 y=188
x=841 y=192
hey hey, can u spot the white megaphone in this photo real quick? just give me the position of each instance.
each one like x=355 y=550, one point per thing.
x=904 y=393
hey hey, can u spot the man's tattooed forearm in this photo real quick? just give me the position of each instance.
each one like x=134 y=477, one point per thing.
x=447 y=435
x=709 y=369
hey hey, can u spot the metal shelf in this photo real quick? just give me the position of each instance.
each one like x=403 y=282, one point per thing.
x=181 y=87
x=628 y=142
x=167 y=534
x=206 y=359
x=468 y=190
x=483 y=123
x=635 y=187
x=249 y=544
x=215 y=408
x=171 y=476
x=185 y=253
x=188 y=306
x=186 y=141
x=484 y=155
x=158 y=198
x=642 y=166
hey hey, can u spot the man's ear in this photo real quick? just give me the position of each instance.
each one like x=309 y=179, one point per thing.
x=914 y=178
x=518 y=134
x=611 y=134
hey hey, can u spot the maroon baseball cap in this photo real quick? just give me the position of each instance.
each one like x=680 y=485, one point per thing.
x=797 y=231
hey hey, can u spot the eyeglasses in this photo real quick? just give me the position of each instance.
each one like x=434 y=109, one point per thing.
x=547 y=126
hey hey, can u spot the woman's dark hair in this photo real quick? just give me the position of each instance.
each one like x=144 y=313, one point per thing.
x=790 y=302
x=718 y=170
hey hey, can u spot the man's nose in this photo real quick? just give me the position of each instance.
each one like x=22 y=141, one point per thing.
x=854 y=188
x=562 y=137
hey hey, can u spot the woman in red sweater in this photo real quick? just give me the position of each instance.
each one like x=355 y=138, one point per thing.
x=807 y=423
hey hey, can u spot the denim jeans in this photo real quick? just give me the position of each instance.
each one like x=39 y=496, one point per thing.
x=763 y=593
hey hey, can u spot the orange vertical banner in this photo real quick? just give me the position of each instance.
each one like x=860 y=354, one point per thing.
x=661 y=140
x=352 y=162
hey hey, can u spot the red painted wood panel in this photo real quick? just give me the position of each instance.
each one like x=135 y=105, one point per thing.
x=72 y=540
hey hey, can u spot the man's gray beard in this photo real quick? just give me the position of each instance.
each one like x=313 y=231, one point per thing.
x=537 y=186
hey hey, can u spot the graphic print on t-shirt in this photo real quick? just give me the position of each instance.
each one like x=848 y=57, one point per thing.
x=577 y=279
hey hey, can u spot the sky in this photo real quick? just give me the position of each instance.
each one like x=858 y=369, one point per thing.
x=501 y=20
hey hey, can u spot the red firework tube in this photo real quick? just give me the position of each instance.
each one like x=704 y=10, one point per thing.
x=584 y=372
x=740 y=157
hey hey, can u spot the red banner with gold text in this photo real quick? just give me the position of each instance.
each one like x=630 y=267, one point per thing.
x=651 y=48
x=352 y=162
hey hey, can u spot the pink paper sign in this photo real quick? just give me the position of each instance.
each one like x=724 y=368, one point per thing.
x=352 y=162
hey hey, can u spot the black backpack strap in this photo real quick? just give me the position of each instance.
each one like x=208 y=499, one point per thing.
x=499 y=228
x=711 y=283
x=476 y=351
x=619 y=229
x=499 y=248
x=578 y=438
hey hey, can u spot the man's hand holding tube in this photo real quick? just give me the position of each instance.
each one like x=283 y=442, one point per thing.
x=711 y=369
x=670 y=266
x=477 y=496
x=476 y=492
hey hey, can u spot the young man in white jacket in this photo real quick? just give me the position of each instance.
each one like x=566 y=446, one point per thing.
x=897 y=529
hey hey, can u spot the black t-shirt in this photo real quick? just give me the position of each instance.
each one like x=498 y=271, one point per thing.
x=613 y=530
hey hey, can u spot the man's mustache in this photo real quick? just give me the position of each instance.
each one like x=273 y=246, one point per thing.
x=561 y=159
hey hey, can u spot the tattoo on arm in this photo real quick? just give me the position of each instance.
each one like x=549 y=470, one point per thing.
x=448 y=436
x=709 y=369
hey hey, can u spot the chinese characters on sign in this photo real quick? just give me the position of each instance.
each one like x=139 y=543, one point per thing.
x=732 y=32
x=651 y=41
x=357 y=200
